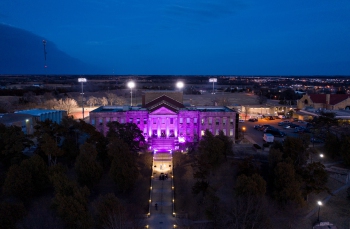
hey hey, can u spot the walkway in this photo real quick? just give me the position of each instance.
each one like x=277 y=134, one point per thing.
x=161 y=193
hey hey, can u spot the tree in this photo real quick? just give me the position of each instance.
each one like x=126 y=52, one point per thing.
x=128 y=132
x=210 y=151
x=104 y=101
x=50 y=148
x=70 y=201
x=315 y=178
x=12 y=142
x=89 y=171
x=114 y=99
x=92 y=101
x=333 y=145
x=286 y=185
x=18 y=183
x=253 y=185
x=10 y=213
x=345 y=149
x=110 y=213
x=228 y=144
x=295 y=149
x=123 y=170
x=66 y=104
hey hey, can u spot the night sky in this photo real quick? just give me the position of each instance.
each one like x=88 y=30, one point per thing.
x=180 y=37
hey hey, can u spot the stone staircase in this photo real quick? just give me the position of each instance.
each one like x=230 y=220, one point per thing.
x=163 y=143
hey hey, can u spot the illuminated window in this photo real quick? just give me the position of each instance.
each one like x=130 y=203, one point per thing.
x=163 y=120
x=188 y=120
x=188 y=131
x=217 y=121
x=224 y=131
x=231 y=121
x=224 y=121
x=202 y=121
x=93 y=121
x=217 y=132
x=231 y=132
x=138 y=121
x=181 y=120
x=130 y=120
x=195 y=121
x=202 y=132
x=145 y=121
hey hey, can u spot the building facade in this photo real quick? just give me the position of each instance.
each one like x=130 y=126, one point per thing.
x=325 y=101
x=165 y=122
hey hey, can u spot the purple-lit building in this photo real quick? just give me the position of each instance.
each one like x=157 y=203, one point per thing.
x=164 y=120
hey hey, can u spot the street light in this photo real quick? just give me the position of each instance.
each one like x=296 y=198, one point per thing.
x=180 y=85
x=319 y=208
x=321 y=155
x=131 y=85
x=243 y=129
x=82 y=81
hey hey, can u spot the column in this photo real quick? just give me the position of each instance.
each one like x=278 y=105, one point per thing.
x=175 y=127
x=167 y=126
x=158 y=127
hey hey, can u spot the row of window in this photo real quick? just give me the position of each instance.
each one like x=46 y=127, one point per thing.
x=171 y=120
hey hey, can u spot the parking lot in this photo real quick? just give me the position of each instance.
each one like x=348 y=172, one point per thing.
x=257 y=135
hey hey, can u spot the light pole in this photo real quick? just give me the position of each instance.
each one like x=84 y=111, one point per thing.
x=82 y=81
x=319 y=208
x=180 y=85
x=243 y=129
x=131 y=85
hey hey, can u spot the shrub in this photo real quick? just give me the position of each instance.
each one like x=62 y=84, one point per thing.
x=256 y=146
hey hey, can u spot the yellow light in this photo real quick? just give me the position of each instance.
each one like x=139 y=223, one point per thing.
x=173 y=200
x=150 y=201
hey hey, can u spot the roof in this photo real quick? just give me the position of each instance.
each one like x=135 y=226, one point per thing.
x=334 y=98
x=37 y=112
x=116 y=109
x=164 y=100
x=11 y=118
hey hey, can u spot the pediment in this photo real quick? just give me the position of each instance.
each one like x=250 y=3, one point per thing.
x=162 y=111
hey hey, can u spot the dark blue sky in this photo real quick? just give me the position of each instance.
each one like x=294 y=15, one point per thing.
x=228 y=37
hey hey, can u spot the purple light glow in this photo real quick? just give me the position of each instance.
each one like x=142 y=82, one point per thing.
x=182 y=139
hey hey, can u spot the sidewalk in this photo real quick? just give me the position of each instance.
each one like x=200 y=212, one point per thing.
x=161 y=194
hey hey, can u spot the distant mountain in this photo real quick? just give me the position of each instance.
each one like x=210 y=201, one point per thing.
x=22 y=52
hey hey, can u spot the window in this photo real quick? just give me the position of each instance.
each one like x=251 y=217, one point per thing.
x=195 y=121
x=210 y=120
x=202 y=132
x=93 y=121
x=188 y=131
x=217 y=132
x=217 y=121
x=231 y=132
x=122 y=120
x=181 y=120
x=130 y=120
x=224 y=131
x=101 y=121
x=202 y=121
x=154 y=121
x=138 y=121
x=188 y=120
x=171 y=121
x=145 y=121
x=107 y=120
x=224 y=121
x=145 y=131
x=163 y=120
x=231 y=121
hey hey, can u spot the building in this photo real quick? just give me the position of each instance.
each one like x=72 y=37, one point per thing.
x=42 y=115
x=24 y=121
x=165 y=122
x=325 y=101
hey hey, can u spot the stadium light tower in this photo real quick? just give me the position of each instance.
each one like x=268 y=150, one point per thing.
x=213 y=80
x=180 y=85
x=82 y=81
x=131 y=85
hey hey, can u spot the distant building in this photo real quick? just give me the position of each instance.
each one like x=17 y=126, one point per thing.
x=42 y=115
x=325 y=101
x=166 y=122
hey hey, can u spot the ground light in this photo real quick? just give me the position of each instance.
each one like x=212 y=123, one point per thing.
x=319 y=208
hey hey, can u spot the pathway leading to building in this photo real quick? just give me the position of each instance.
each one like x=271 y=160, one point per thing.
x=161 y=197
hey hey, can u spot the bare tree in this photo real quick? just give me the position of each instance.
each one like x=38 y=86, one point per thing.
x=50 y=104
x=104 y=101
x=92 y=101
x=66 y=104
x=113 y=99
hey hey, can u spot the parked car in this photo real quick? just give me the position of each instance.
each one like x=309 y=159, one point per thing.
x=316 y=140
x=253 y=120
x=241 y=120
x=268 y=138
x=285 y=122
x=275 y=133
x=257 y=127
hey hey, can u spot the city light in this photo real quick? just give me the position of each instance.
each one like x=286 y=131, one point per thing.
x=180 y=85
